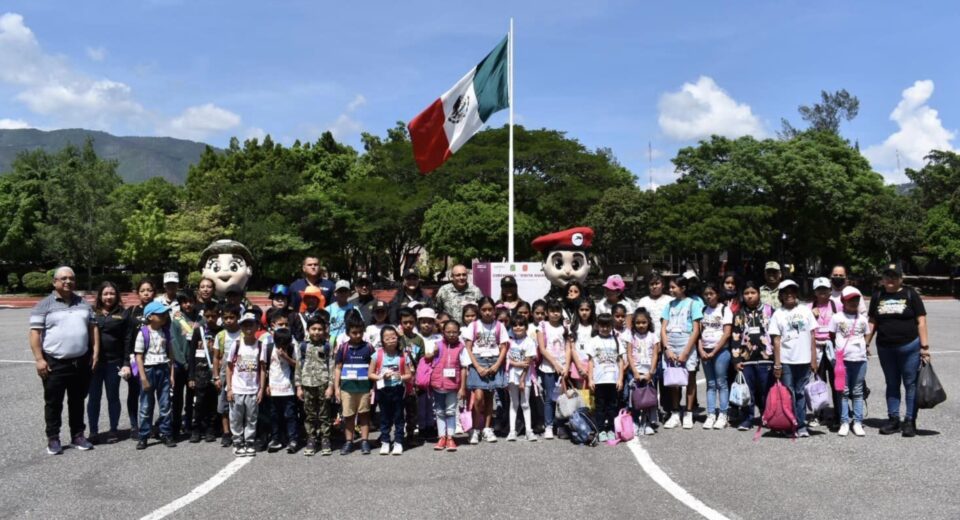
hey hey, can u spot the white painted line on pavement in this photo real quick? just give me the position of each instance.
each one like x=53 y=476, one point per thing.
x=200 y=490
x=667 y=483
x=16 y=361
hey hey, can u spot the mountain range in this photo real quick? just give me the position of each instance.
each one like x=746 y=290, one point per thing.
x=138 y=158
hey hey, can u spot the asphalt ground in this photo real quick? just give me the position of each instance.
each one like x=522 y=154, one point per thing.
x=825 y=476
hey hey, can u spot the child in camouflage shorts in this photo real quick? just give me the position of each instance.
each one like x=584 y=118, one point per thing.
x=315 y=386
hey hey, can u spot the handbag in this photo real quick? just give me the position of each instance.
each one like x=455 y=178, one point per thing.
x=675 y=375
x=740 y=391
x=644 y=397
x=568 y=403
x=466 y=415
x=818 y=394
x=930 y=392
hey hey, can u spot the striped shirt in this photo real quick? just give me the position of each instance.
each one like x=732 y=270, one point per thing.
x=64 y=325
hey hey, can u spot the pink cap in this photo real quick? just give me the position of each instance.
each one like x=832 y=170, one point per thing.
x=615 y=283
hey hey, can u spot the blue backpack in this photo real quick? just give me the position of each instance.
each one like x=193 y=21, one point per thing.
x=582 y=428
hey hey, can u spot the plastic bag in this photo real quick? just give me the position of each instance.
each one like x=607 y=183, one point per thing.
x=930 y=392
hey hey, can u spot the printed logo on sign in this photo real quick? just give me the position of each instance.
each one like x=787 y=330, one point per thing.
x=460 y=107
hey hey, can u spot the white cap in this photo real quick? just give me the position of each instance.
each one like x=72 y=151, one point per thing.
x=248 y=316
x=850 y=292
x=171 y=277
x=787 y=283
x=426 y=313
x=821 y=282
x=342 y=284
x=690 y=274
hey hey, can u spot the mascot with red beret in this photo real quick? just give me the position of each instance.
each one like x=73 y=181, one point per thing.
x=564 y=257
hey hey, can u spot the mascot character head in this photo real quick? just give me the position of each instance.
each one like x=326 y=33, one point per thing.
x=229 y=264
x=564 y=255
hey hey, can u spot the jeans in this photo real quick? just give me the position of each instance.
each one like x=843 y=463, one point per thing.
x=243 y=418
x=796 y=377
x=549 y=380
x=901 y=365
x=715 y=369
x=605 y=406
x=390 y=401
x=853 y=390
x=445 y=409
x=158 y=376
x=107 y=374
x=284 y=414
x=758 y=379
x=70 y=377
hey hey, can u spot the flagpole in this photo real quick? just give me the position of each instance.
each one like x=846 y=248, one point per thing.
x=510 y=183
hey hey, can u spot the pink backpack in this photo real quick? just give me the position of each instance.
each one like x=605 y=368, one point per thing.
x=778 y=412
x=623 y=426
x=424 y=371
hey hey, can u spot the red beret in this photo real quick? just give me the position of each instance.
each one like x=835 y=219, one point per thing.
x=573 y=238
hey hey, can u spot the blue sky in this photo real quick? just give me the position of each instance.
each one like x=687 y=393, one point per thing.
x=611 y=74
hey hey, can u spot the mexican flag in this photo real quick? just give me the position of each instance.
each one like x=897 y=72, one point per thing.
x=449 y=122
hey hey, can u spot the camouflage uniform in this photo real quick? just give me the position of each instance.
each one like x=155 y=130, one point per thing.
x=314 y=376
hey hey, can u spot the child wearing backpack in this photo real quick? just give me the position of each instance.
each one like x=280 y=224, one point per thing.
x=153 y=350
x=486 y=342
x=228 y=336
x=372 y=334
x=521 y=356
x=848 y=330
x=315 y=387
x=679 y=332
x=200 y=375
x=823 y=308
x=642 y=352
x=351 y=383
x=391 y=374
x=448 y=378
x=794 y=349
x=604 y=353
x=581 y=330
x=246 y=383
x=554 y=345
x=717 y=325
x=752 y=351
x=281 y=367
x=412 y=345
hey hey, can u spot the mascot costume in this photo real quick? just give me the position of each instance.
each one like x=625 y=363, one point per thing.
x=229 y=264
x=564 y=258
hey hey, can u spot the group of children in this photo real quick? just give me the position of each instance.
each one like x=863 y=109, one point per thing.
x=297 y=376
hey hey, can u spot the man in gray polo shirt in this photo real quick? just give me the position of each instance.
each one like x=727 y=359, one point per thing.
x=66 y=344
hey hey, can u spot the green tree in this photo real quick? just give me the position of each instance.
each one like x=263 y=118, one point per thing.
x=191 y=228
x=826 y=115
x=23 y=207
x=145 y=243
x=621 y=221
x=938 y=191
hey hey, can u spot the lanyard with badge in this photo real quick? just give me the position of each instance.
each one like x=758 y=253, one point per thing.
x=448 y=371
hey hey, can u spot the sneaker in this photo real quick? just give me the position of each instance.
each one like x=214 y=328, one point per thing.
x=475 y=437
x=721 y=422
x=512 y=437
x=365 y=447
x=648 y=430
x=141 y=444
x=459 y=429
x=745 y=425
x=81 y=443
x=451 y=444
x=687 y=421
x=250 y=450
x=858 y=430
x=892 y=426
x=397 y=449
x=672 y=422
x=909 y=428
x=531 y=437
x=310 y=449
x=814 y=423
x=844 y=430
x=488 y=435
x=275 y=445
x=442 y=444
x=602 y=437
x=803 y=433
x=169 y=442
x=226 y=441
x=347 y=448
x=210 y=437
x=325 y=449
x=708 y=424
x=548 y=433
x=195 y=437
x=239 y=451
x=385 y=448
x=292 y=447
x=54 y=448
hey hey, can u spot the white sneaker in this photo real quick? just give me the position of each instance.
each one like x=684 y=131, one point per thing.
x=511 y=437
x=459 y=429
x=673 y=421
x=648 y=430
x=475 y=437
x=531 y=437
x=548 y=433
x=488 y=435
x=844 y=429
x=721 y=422
x=708 y=424
x=397 y=448
x=858 y=430
x=814 y=423
x=385 y=448
x=687 y=421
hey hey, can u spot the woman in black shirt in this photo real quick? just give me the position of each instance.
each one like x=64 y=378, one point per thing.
x=899 y=321
x=113 y=327
x=134 y=317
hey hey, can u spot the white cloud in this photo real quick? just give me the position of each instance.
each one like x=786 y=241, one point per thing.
x=357 y=102
x=920 y=131
x=345 y=124
x=200 y=121
x=13 y=124
x=97 y=53
x=702 y=109
x=255 y=132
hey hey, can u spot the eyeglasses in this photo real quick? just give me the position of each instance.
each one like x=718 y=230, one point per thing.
x=67 y=279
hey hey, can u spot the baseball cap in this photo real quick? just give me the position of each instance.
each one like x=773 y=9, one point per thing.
x=821 y=283
x=414 y=304
x=426 y=313
x=690 y=274
x=615 y=283
x=850 y=293
x=171 y=277
x=411 y=273
x=363 y=280
x=892 y=268
x=248 y=316
x=771 y=266
x=342 y=284
x=379 y=305
x=154 y=307
x=508 y=280
x=787 y=283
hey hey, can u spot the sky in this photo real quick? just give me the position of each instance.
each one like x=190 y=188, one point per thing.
x=628 y=76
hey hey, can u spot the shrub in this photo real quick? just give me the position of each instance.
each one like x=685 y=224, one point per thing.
x=13 y=281
x=193 y=279
x=38 y=282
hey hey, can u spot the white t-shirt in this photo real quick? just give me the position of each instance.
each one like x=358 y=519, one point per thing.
x=603 y=306
x=156 y=353
x=245 y=368
x=520 y=350
x=281 y=373
x=372 y=335
x=714 y=319
x=795 y=328
x=605 y=353
x=484 y=337
x=584 y=333
x=655 y=308
x=555 y=344
x=641 y=347
x=431 y=343
x=851 y=331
